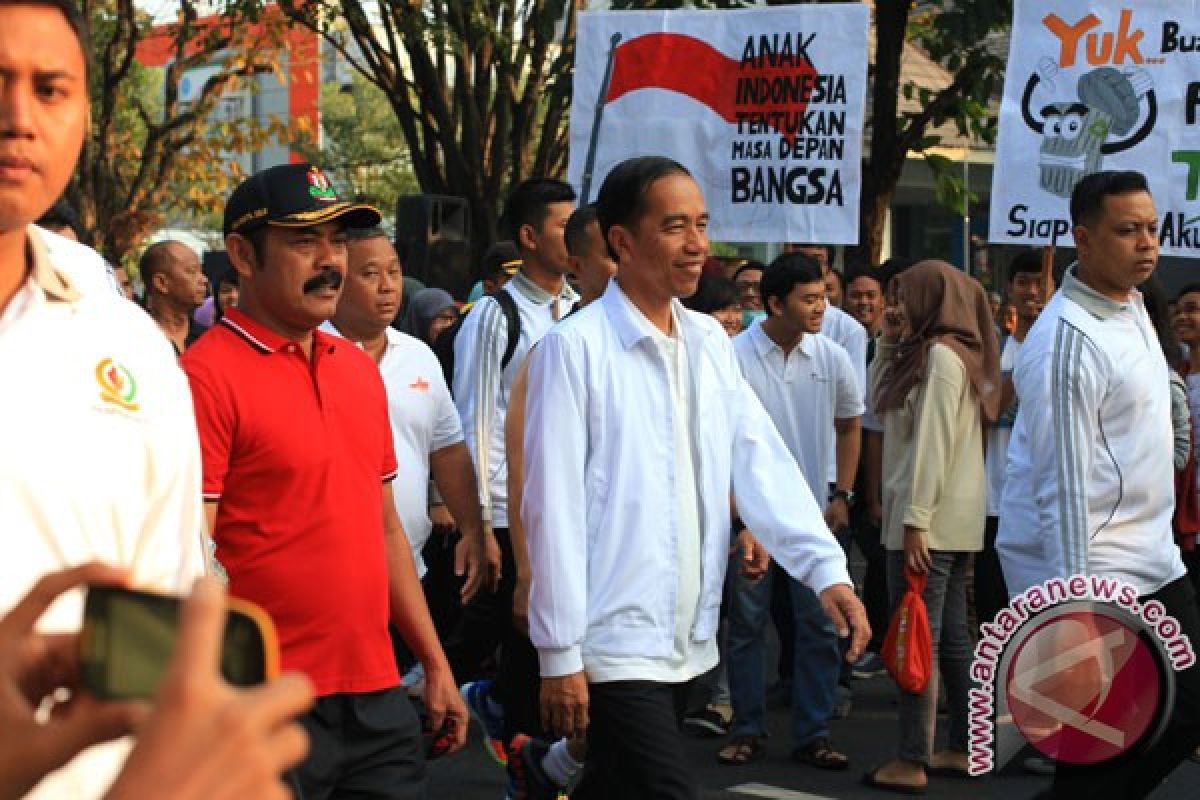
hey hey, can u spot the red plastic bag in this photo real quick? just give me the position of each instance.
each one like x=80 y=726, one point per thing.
x=908 y=646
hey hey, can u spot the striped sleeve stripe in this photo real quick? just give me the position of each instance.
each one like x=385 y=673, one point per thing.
x=492 y=325
x=1066 y=370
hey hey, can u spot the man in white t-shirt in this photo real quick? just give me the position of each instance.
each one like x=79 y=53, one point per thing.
x=1027 y=293
x=99 y=458
x=808 y=387
x=426 y=431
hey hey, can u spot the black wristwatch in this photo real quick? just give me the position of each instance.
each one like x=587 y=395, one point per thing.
x=848 y=497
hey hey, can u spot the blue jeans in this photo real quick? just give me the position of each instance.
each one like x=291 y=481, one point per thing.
x=946 y=603
x=816 y=661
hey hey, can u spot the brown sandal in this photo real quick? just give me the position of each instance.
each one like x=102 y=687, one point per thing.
x=742 y=750
x=819 y=753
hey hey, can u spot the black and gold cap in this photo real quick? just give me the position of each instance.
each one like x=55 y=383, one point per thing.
x=291 y=196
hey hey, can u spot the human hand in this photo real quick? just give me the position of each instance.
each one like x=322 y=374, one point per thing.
x=846 y=611
x=916 y=550
x=445 y=705
x=564 y=701
x=477 y=556
x=755 y=560
x=205 y=739
x=837 y=514
x=34 y=666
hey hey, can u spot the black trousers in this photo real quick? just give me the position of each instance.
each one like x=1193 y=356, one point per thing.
x=991 y=594
x=362 y=747
x=487 y=624
x=1135 y=775
x=635 y=749
x=874 y=586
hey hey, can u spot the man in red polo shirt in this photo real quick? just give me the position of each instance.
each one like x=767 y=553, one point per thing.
x=298 y=457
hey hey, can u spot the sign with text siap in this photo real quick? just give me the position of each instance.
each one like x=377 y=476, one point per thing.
x=764 y=107
x=1110 y=84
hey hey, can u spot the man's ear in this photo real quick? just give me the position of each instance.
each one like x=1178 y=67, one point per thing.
x=527 y=237
x=241 y=254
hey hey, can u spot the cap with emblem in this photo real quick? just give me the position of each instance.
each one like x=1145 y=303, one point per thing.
x=291 y=196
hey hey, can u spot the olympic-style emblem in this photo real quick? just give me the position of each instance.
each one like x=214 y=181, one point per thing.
x=117 y=384
x=319 y=186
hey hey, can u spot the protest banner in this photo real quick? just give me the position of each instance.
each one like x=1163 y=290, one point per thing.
x=764 y=106
x=1098 y=86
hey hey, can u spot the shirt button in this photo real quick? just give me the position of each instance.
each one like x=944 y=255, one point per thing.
x=291 y=348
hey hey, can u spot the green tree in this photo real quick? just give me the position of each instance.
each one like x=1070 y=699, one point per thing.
x=362 y=144
x=149 y=154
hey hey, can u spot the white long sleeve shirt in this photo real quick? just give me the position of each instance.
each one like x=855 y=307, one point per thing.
x=1090 y=483
x=600 y=498
x=482 y=387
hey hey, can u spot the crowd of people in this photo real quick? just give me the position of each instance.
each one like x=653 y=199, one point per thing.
x=569 y=509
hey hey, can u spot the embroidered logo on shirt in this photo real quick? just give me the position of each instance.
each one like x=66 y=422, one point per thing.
x=420 y=384
x=117 y=384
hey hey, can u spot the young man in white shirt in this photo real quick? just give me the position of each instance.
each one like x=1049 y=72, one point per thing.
x=638 y=427
x=808 y=387
x=486 y=363
x=1090 y=463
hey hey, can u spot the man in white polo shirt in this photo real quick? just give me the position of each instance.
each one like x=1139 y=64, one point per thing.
x=426 y=430
x=99 y=458
x=808 y=387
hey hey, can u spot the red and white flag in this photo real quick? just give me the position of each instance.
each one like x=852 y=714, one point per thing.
x=763 y=106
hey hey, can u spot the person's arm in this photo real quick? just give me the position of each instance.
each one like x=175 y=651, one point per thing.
x=478 y=351
x=1181 y=421
x=410 y=614
x=847 y=411
x=1060 y=394
x=552 y=510
x=514 y=445
x=477 y=554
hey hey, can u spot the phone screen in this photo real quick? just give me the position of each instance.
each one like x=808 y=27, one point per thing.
x=129 y=636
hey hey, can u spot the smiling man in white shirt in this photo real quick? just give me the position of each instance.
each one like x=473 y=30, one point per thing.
x=638 y=427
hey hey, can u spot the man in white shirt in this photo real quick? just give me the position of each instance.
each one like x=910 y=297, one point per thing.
x=426 y=431
x=1090 y=463
x=638 y=427
x=486 y=363
x=808 y=387
x=837 y=324
x=99 y=458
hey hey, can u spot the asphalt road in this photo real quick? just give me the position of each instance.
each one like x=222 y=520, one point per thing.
x=868 y=736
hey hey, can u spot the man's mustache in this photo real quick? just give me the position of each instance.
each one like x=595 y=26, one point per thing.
x=325 y=279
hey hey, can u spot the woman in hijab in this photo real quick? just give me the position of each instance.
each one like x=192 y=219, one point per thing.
x=936 y=383
x=430 y=312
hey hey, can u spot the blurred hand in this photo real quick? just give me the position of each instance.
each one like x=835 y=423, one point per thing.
x=846 y=611
x=33 y=667
x=207 y=740
x=478 y=557
x=442 y=519
x=837 y=514
x=564 y=701
x=753 y=558
x=445 y=705
x=916 y=550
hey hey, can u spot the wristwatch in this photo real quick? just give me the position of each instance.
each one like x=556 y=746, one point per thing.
x=844 y=495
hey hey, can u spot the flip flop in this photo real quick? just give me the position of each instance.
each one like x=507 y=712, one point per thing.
x=870 y=779
x=742 y=750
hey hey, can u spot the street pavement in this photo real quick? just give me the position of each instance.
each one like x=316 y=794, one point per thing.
x=868 y=736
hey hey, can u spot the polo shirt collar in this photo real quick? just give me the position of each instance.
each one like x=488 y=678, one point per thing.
x=264 y=339
x=764 y=344
x=52 y=281
x=631 y=324
x=1096 y=304
x=539 y=296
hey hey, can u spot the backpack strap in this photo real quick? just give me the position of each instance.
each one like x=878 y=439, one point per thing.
x=513 y=317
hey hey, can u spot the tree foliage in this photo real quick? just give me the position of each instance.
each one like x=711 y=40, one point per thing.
x=149 y=154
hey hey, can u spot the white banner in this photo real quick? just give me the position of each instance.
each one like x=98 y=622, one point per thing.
x=1099 y=86
x=763 y=106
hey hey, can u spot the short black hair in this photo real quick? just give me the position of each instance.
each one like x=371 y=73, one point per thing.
x=75 y=19
x=1087 y=200
x=751 y=264
x=577 y=225
x=860 y=270
x=61 y=215
x=528 y=204
x=841 y=279
x=892 y=267
x=1191 y=288
x=155 y=259
x=1025 y=262
x=622 y=196
x=785 y=273
x=713 y=293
